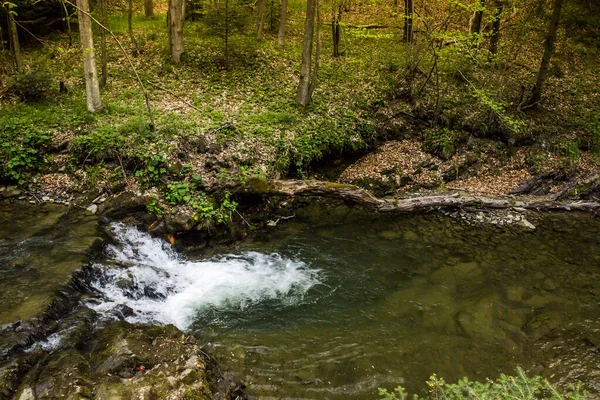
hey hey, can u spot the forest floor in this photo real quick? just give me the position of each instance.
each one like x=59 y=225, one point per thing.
x=219 y=120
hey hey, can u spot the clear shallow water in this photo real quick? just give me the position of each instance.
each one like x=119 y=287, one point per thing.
x=40 y=247
x=333 y=311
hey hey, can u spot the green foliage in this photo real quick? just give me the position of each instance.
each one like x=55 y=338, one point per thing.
x=154 y=208
x=178 y=192
x=154 y=167
x=214 y=211
x=22 y=156
x=443 y=142
x=498 y=108
x=519 y=387
x=34 y=86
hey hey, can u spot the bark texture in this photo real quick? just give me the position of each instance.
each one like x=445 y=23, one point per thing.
x=282 y=22
x=495 y=37
x=260 y=17
x=13 y=38
x=336 y=17
x=409 y=11
x=130 y=27
x=92 y=87
x=103 y=50
x=148 y=9
x=304 y=92
x=477 y=19
x=360 y=196
x=175 y=20
x=549 y=43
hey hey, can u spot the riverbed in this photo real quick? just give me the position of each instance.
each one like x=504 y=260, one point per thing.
x=334 y=304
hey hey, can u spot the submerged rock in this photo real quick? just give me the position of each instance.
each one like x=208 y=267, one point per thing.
x=122 y=361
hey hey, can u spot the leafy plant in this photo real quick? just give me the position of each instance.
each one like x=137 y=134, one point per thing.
x=33 y=86
x=178 y=192
x=519 y=387
x=442 y=142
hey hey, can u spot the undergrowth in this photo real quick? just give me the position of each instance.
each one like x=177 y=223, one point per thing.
x=518 y=387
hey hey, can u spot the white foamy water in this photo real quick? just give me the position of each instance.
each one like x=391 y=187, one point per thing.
x=161 y=286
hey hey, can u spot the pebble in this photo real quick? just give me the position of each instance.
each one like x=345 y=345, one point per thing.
x=92 y=209
x=45 y=198
x=526 y=224
x=549 y=285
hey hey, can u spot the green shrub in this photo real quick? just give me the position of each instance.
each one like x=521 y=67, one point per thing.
x=34 y=86
x=443 y=142
x=519 y=387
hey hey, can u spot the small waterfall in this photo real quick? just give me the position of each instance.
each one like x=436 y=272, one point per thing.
x=155 y=284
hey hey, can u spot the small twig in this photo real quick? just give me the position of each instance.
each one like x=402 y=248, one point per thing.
x=121 y=163
x=226 y=125
x=174 y=95
x=86 y=157
x=35 y=197
x=28 y=31
x=206 y=354
x=242 y=217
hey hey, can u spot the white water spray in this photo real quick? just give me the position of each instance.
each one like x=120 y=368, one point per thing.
x=160 y=286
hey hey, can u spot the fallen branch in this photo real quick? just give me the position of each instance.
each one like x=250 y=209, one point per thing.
x=362 y=197
x=370 y=26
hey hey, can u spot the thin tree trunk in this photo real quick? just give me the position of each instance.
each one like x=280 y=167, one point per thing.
x=408 y=20
x=103 y=55
x=303 y=93
x=148 y=9
x=282 y=19
x=175 y=18
x=92 y=88
x=260 y=17
x=13 y=38
x=495 y=37
x=67 y=22
x=336 y=29
x=536 y=93
x=130 y=28
x=477 y=18
x=315 y=72
x=226 y=33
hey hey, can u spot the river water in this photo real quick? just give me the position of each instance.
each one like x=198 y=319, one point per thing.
x=334 y=310
x=335 y=307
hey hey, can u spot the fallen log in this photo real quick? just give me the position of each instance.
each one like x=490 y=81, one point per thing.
x=363 y=197
x=370 y=26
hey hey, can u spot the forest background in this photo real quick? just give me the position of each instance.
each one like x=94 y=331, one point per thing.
x=194 y=98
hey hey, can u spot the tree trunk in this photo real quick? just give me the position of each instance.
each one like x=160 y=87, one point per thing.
x=175 y=18
x=260 y=18
x=336 y=28
x=408 y=20
x=148 y=9
x=92 y=88
x=130 y=28
x=477 y=19
x=354 y=194
x=13 y=38
x=103 y=55
x=536 y=93
x=303 y=94
x=282 y=18
x=495 y=37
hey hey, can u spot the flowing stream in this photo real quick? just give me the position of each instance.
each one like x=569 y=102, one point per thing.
x=336 y=310
x=335 y=307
